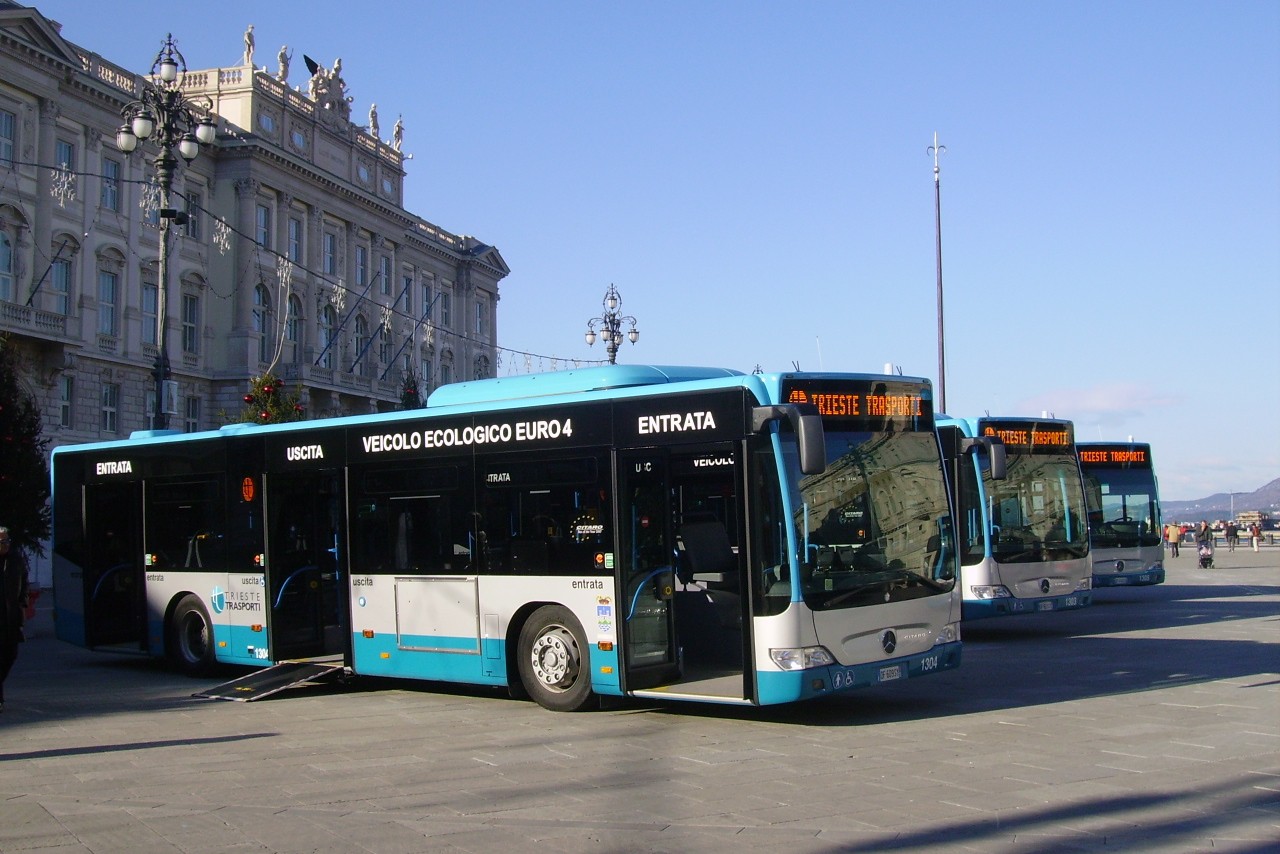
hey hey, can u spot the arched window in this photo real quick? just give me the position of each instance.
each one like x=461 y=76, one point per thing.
x=293 y=328
x=384 y=343
x=427 y=366
x=61 y=274
x=8 y=289
x=262 y=321
x=362 y=341
x=328 y=321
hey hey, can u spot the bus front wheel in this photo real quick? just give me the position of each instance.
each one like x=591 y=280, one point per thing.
x=191 y=637
x=554 y=661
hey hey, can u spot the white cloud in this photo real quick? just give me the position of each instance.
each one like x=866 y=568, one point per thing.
x=1104 y=405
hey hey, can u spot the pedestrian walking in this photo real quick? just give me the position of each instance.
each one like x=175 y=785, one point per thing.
x=1173 y=533
x=1255 y=535
x=1233 y=535
x=13 y=604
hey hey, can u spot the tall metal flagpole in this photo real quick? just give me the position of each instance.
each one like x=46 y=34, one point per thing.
x=936 y=150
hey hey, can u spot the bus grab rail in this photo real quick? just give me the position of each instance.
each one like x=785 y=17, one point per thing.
x=292 y=575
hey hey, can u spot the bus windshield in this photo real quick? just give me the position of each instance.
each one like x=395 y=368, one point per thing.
x=875 y=526
x=1037 y=511
x=1123 y=507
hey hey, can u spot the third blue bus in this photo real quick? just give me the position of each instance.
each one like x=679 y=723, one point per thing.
x=1124 y=513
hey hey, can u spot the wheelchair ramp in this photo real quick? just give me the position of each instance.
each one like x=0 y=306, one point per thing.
x=274 y=679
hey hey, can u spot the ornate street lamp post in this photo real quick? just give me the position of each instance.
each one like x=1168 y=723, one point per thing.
x=610 y=324
x=163 y=114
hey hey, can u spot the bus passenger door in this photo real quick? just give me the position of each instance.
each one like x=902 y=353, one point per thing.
x=304 y=580
x=646 y=570
x=114 y=588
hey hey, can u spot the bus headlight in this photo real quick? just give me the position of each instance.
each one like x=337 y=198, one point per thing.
x=950 y=633
x=1085 y=583
x=990 y=591
x=1158 y=566
x=801 y=658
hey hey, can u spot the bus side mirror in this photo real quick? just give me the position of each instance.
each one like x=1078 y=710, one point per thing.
x=993 y=448
x=806 y=423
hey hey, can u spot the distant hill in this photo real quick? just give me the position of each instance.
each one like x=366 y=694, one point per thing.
x=1219 y=506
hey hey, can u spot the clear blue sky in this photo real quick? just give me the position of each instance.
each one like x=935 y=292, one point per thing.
x=754 y=179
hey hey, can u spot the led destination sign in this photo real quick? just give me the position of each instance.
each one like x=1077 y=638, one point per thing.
x=872 y=404
x=1115 y=456
x=1031 y=437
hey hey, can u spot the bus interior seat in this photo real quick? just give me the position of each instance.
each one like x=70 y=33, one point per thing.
x=707 y=555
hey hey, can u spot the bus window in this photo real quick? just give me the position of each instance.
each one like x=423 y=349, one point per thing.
x=410 y=520
x=544 y=516
x=185 y=525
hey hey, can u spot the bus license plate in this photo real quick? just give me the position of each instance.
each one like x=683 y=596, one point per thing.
x=1044 y=606
x=1122 y=580
x=888 y=674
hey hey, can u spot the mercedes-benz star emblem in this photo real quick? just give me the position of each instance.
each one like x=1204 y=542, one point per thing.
x=889 y=641
x=1045 y=586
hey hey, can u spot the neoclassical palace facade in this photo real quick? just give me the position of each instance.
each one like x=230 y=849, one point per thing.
x=296 y=256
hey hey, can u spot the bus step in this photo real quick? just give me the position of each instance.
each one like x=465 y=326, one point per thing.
x=274 y=679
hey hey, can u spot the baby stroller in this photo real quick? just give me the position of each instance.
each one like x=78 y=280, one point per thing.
x=1206 y=556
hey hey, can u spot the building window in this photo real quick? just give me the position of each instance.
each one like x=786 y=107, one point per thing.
x=149 y=295
x=295 y=240
x=262 y=322
x=480 y=317
x=108 y=285
x=8 y=138
x=66 y=400
x=406 y=292
x=191 y=414
x=427 y=302
x=60 y=285
x=328 y=320
x=191 y=324
x=446 y=310
x=7 y=286
x=293 y=327
x=362 y=266
x=446 y=373
x=194 y=227
x=263 y=224
x=111 y=184
x=64 y=154
x=384 y=272
x=330 y=251
x=110 y=407
x=361 y=342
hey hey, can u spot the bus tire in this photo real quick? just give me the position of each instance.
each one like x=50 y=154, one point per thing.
x=191 y=637
x=555 y=664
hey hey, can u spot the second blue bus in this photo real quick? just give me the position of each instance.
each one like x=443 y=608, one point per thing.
x=1023 y=538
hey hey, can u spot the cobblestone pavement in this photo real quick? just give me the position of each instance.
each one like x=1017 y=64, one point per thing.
x=1147 y=722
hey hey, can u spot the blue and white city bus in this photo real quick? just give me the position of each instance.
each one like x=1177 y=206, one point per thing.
x=1125 y=533
x=1023 y=538
x=656 y=532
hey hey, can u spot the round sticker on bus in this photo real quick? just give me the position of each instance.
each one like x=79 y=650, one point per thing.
x=246 y=489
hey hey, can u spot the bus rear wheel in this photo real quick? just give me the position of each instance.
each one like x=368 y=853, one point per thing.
x=554 y=661
x=191 y=637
